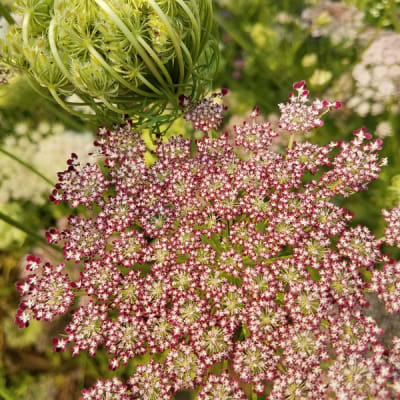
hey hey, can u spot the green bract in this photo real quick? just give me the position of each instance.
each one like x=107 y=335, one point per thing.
x=119 y=57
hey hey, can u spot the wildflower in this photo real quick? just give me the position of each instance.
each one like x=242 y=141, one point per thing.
x=207 y=114
x=298 y=115
x=46 y=295
x=111 y=389
x=392 y=232
x=208 y=262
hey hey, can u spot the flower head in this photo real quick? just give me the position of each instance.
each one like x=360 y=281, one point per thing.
x=209 y=262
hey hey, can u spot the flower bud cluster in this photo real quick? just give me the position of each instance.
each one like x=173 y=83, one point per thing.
x=235 y=275
x=108 y=50
x=205 y=115
x=298 y=115
x=45 y=295
x=392 y=233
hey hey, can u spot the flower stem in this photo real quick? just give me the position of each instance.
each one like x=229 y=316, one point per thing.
x=115 y=75
x=173 y=37
x=66 y=107
x=291 y=140
x=25 y=26
x=195 y=24
x=28 y=166
x=63 y=116
x=4 y=11
x=394 y=16
x=32 y=234
x=114 y=17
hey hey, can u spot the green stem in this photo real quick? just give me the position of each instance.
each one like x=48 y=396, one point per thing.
x=208 y=25
x=189 y=58
x=4 y=11
x=5 y=395
x=271 y=260
x=195 y=24
x=116 y=109
x=156 y=59
x=22 y=228
x=394 y=16
x=114 y=17
x=173 y=37
x=32 y=83
x=115 y=75
x=54 y=51
x=72 y=123
x=66 y=107
x=291 y=140
x=25 y=26
x=28 y=166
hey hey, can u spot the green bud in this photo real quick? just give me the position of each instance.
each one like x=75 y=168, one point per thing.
x=124 y=54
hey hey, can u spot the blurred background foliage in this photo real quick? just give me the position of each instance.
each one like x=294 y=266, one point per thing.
x=345 y=50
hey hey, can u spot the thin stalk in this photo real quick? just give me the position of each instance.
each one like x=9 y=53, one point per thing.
x=195 y=24
x=37 y=88
x=5 y=394
x=25 y=26
x=54 y=51
x=208 y=25
x=115 y=75
x=189 y=58
x=66 y=107
x=116 y=109
x=290 y=144
x=65 y=117
x=28 y=166
x=291 y=140
x=394 y=16
x=173 y=37
x=6 y=14
x=112 y=15
x=156 y=59
x=34 y=235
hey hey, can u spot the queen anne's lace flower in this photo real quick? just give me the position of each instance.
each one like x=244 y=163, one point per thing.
x=392 y=233
x=47 y=155
x=46 y=295
x=235 y=275
x=298 y=115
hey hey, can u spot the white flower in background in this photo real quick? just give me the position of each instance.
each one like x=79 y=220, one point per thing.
x=46 y=154
x=384 y=129
x=340 y=22
x=377 y=76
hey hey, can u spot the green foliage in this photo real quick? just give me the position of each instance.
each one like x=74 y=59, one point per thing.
x=118 y=56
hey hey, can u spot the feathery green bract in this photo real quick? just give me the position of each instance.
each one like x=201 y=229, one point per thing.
x=117 y=57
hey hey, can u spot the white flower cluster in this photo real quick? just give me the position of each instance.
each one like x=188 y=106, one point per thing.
x=340 y=22
x=377 y=76
x=45 y=153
